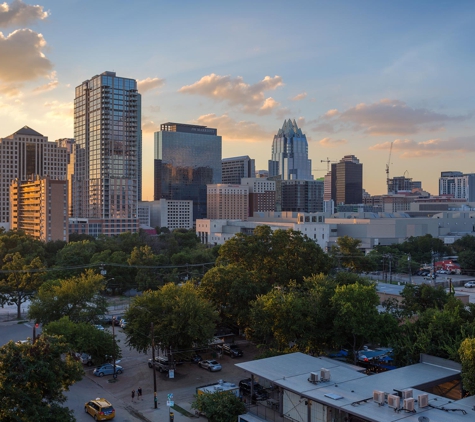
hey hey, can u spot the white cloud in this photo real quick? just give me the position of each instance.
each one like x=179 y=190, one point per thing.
x=10 y=90
x=20 y=14
x=22 y=56
x=232 y=130
x=150 y=83
x=235 y=91
x=330 y=142
x=386 y=117
x=269 y=105
x=430 y=148
x=299 y=97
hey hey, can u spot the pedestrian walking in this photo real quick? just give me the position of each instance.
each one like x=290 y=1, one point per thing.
x=133 y=395
x=139 y=393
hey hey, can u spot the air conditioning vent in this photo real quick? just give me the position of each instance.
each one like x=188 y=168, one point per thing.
x=378 y=397
x=423 y=400
x=325 y=374
x=407 y=394
x=393 y=401
x=313 y=377
x=408 y=404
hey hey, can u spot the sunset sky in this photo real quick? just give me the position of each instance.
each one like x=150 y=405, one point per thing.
x=355 y=75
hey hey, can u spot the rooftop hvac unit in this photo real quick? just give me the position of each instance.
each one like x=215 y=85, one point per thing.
x=325 y=374
x=408 y=404
x=423 y=400
x=393 y=401
x=407 y=394
x=313 y=377
x=378 y=397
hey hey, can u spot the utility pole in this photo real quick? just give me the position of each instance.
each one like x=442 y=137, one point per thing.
x=113 y=344
x=390 y=257
x=409 y=268
x=155 y=400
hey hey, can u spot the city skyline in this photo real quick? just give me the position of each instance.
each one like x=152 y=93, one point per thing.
x=355 y=77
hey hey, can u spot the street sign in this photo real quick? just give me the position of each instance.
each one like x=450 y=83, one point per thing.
x=171 y=373
x=170 y=403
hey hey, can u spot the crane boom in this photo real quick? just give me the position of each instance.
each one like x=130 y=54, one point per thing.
x=389 y=162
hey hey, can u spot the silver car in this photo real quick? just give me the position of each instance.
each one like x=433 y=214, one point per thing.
x=470 y=284
x=210 y=365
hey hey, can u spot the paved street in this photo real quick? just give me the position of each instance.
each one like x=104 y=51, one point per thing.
x=137 y=374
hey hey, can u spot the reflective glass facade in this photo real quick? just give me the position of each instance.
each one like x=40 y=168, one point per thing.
x=107 y=130
x=187 y=158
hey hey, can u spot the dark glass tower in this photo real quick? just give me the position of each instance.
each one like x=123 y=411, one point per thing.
x=187 y=158
x=347 y=181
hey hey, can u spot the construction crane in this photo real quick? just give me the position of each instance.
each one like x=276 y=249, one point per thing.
x=328 y=161
x=389 y=162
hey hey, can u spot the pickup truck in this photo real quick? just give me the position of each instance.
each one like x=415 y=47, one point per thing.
x=230 y=349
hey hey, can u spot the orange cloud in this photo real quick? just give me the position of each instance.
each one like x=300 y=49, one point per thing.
x=386 y=117
x=299 y=97
x=150 y=83
x=236 y=92
x=330 y=142
x=232 y=130
x=22 y=56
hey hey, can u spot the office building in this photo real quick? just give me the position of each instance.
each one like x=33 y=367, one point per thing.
x=347 y=181
x=235 y=168
x=172 y=214
x=228 y=201
x=24 y=155
x=461 y=186
x=187 y=158
x=39 y=208
x=262 y=194
x=302 y=195
x=290 y=154
x=107 y=170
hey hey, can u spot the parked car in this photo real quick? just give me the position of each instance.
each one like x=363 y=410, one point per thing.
x=161 y=364
x=123 y=323
x=107 y=369
x=196 y=358
x=230 y=349
x=210 y=365
x=99 y=327
x=104 y=319
x=85 y=359
x=100 y=409
x=470 y=284
x=259 y=392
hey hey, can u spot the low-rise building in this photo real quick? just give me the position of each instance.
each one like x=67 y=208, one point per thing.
x=170 y=213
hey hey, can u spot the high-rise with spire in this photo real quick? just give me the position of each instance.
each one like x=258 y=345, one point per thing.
x=290 y=154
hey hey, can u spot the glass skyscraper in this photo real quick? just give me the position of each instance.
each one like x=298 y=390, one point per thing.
x=187 y=158
x=108 y=162
x=290 y=154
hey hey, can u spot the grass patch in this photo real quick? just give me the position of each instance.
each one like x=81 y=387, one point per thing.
x=22 y=321
x=182 y=411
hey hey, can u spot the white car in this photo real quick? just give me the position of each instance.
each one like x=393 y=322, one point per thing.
x=123 y=323
x=210 y=365
x=99 y=327
x=470 y=284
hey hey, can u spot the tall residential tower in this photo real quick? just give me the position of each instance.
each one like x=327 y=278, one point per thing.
x=107 y=172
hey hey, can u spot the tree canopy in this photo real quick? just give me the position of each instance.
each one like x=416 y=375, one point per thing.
x=33 y=378
x=219 y=407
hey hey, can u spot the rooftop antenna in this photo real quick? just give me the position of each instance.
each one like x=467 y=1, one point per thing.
x=389 y=162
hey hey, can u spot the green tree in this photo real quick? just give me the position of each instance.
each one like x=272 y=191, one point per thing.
x=14 y=241
x=85 y=338
x=33 y=378
x=219 y=407
x=465 y=243
x=181 y=317
x=467 y=357
x=75 y=254
x=356 y=316
x=275 y=257
x=297 y=317
x=419 y=298
x=231 y=288
x=120 y=277
x=466 y=260
x=22 y=280
x=146 y=278
x=348 y=254
x=77 y=298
